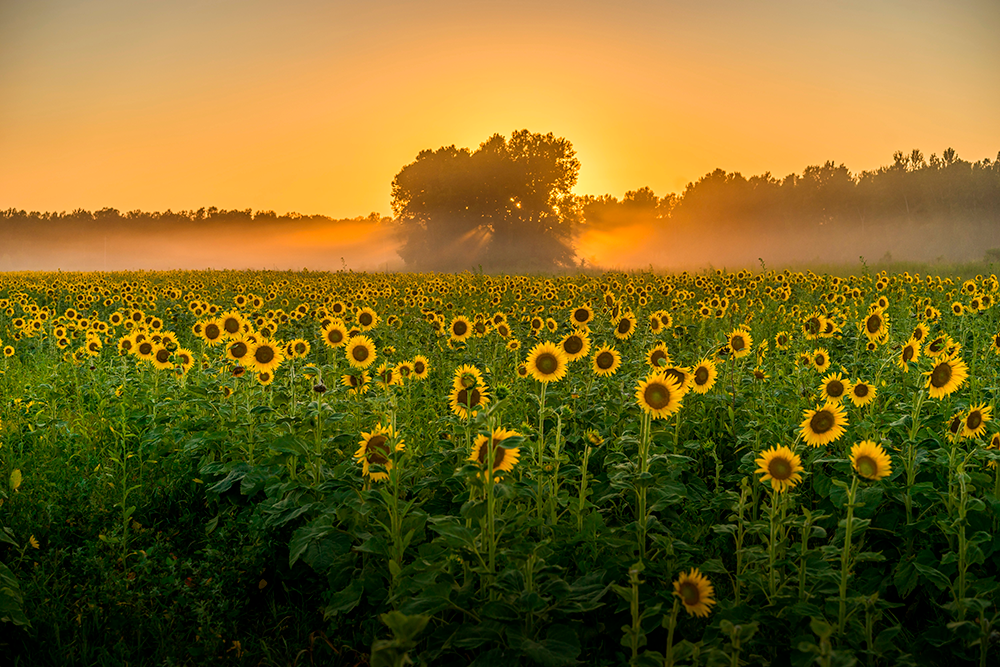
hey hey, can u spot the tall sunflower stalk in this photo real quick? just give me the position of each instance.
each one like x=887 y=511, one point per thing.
x=910 y=457
x=845 y=555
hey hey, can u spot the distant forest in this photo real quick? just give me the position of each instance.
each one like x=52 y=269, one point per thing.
x=912 y=189
x=917 y=208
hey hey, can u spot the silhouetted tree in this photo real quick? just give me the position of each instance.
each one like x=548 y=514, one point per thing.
x=507 y=204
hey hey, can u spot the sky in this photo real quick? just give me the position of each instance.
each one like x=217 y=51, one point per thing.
x=313 y=107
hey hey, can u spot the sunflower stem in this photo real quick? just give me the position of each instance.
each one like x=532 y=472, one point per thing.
x=845 y=557
x=668 y=656
x=583 y=488
x=909 y=461
x=641 y=490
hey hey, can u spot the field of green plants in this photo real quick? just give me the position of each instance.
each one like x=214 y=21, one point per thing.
x=276 y=468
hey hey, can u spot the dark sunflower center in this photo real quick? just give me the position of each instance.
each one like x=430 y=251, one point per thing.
x=941 y=375
x=359 y=353
x=605 y=360
x=145 y=348
x=908 y=353
x=624 y=326
x=782 y=340
x=658 y=358
x=779 y=468
x=419 y=367
x=937 y=345
x=460 y=328
x=238 y=349
x=335 y=336
x=820 y=360
x=212 y=331
x=547 y=363
x=300 y=348
x=573 y=345
x=867 y=467
x=974 y=420
x=701 y=375
x=365 y=319
x=873 y=324
x=821 y=422
x=467 y=399
x=231 y=325
x=690 y=593
x=162 y=356
x=835 y=388
x=264 y=354
x=580 y=315
x=861 y=390
x=377 y=450
x=812 y=325
x=656 y=395
x=737 y=343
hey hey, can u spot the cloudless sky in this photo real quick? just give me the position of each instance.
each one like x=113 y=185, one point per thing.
x=313 y=106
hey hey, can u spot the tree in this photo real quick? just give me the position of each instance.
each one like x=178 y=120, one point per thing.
x=506 y=205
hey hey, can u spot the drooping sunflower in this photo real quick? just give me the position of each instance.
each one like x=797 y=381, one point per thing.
x=360 y=352
x=546 y=362
x=823 y=425
x=703 y=376
x=695 y=591
x=908 y=355
x=835 y=387
x=780 y=466
x=460 y=328
x=782 y=340
x=606 y=361
x=870 y=461
x=658 y=357
x=740 y=342
x=375 y=452
x=861 y=393
x=467 y=402
x=625 y=326
x=974 y=424
x=947 y=375
x=264 y=356
x=575 y=345
x=659 y=395
x=504 y=459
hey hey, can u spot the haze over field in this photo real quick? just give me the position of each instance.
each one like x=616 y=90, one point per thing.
x=316 y=106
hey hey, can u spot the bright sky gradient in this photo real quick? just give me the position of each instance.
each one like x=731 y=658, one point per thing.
x=314 y=106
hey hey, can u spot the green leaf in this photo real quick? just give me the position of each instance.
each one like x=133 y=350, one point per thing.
x=345 y=600
x=560 y=647
x=11 y=600
x=934 y=576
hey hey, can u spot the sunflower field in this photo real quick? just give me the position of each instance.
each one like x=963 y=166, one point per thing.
x=292 y=468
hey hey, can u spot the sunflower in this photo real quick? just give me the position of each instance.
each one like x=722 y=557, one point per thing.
x=938 y=346
x=367 y=319
x=821 y=360
x=231 y=323
x=265 y=378
x=703 y=376
x=360 y=352
x=908 y=355
x=658 y=357
x=946 y=376
x=298 y=348
x=974 y=424
x=264 y=356
x=740 y=342
x=546 y=362
x=679 y=374
x=467 y=377
x=185 y=359
x=625 y=326
x=144 y=350
x=421 y=367
x=356 y=383
x=335 y=334
x=522 y=371
x=8 y=351
x=606 y=361
x=823 y=425
x=781 y=466
x=660 y=395
x=387 y=376
x=870 y=461
x=460 y=329
x=861 y=393
x=161 y=358
x=995 y=343
x=876 y=325
x=575 y=345
x=813 y=327
x=835 y=386
x=504 y=458
x=212 y=332
x=237 y=350
x=695 y=591
x=377 y=449
x=467 y=402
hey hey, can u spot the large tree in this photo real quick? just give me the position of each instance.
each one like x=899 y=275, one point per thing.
x=506 y=205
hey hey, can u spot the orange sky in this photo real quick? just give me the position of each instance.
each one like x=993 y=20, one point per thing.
x=314 y=106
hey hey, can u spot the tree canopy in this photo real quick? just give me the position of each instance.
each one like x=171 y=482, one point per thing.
x=508 y=204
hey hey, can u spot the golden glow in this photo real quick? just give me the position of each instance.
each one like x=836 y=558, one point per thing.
x=314 y=107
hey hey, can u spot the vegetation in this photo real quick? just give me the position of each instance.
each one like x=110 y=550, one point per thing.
x=297 y=468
